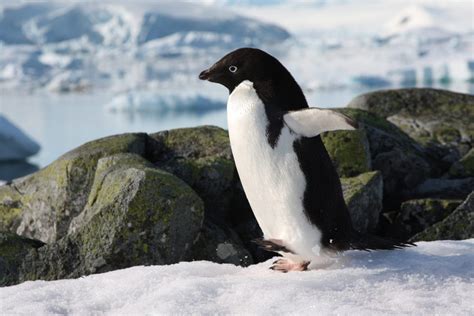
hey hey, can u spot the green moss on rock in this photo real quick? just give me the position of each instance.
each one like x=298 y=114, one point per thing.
x=51 y=197
x=349 y=151
x=456 y=226
x=363 y=196
x=13 y=248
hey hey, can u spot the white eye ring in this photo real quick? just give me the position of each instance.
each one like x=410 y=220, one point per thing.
x=233 y=68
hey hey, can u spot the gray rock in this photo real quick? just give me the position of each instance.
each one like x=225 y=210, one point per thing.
x=458 y=225
x=349 y=151
x=13 y=249
x=432 y=117
x=417 y=215
x=403 y=163
x=464 y=167
x=444 y=188
x=136 y=214
x=42 y=205
x=363 y=196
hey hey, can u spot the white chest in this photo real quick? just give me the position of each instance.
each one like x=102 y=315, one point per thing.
x=271 y=177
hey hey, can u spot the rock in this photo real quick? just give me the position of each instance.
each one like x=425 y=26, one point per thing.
x=42 y=205
x=14 y=144
x=444 y=188
x=402 y=162
x=417 y=215
x=13 y=248
x=363 y=196
x=458 y=225
x=136 y=214
x=349 y=151
x=429 y=116
x=202 y=158
x=465 y=166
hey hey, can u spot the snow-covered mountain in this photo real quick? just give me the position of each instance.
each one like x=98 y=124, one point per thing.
x=154 y=44
x=75 y=46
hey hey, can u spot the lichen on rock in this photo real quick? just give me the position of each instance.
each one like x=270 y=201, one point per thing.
x=363 y=196
x=349 y=151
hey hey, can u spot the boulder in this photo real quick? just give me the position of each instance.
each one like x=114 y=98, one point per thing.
x=402 y=162
x=203 y=159
x=458 y=225
x=441 y=120
x=136 y=214
x=417 y=215
x=363 y=196
x=42 y=205
x=13 y=249
x=349 y=151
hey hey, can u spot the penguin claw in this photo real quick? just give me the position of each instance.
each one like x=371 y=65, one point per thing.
x=285 y=265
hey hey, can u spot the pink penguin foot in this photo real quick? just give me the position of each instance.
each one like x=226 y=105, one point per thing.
x=285 y=265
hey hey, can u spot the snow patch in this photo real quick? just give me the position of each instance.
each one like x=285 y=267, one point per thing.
x=433 y=278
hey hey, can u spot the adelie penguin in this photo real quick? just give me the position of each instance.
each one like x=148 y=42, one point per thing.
x=286 y=172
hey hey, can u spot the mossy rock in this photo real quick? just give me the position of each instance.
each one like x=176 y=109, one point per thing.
x=419 y=214
x=349 y=151
x=137 y=214
x=456 y=226
x=403 y=163
x=13 y=249
x=427 y=115
x=42 y=205
x=363 y=196
x=464 y=167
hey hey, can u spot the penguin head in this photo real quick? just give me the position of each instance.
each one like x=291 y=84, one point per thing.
x=243 y=64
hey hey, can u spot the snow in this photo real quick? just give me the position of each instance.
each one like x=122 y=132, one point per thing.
x=14 y=144
x=434 y=278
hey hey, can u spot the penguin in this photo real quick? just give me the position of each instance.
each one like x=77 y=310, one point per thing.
x=287 y=175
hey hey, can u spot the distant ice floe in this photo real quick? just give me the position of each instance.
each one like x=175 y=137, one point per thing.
x=15 y=148
x=183 y=101
x=15 y=144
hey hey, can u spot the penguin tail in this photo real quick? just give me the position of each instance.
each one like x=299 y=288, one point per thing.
x=370 y=242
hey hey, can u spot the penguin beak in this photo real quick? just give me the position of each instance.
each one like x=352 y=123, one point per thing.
x=205 y=75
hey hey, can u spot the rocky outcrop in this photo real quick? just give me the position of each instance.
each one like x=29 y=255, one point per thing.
x=402 y=162
x=458 y=225
x=417 y=215
x=440 y=120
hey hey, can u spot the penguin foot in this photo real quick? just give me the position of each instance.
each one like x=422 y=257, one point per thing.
x=285 y=265
x=274 y=245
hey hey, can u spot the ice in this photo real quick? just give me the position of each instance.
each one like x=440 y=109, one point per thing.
x=175 y=101
x=434 y=278
x=14 y=144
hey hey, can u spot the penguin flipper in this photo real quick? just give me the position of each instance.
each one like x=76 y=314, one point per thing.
x=311 y=122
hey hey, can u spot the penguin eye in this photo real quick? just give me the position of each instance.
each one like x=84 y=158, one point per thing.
x=233 y=68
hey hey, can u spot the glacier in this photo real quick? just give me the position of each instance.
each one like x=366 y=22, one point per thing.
x=432 y=278
x=157 y=45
